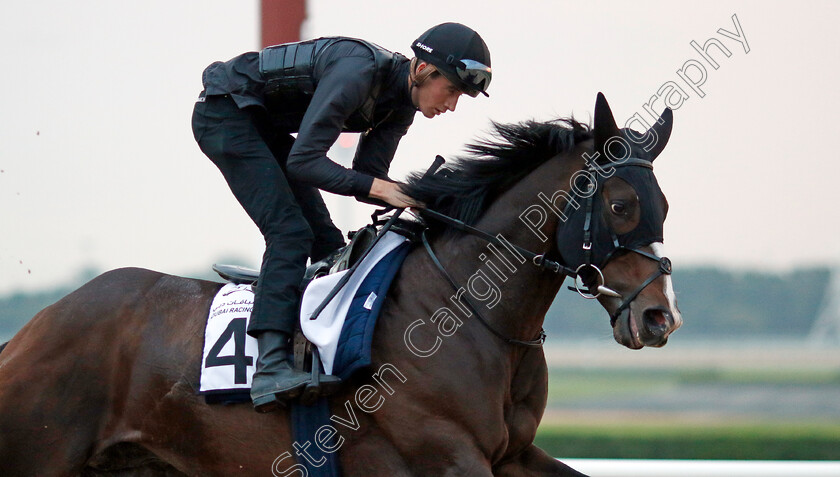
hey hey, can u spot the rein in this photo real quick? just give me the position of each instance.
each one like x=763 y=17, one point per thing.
x=537 y=259
x=534 y=343
x=544 y=263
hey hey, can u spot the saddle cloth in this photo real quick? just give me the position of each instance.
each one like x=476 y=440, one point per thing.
x=342 y=331
x=227 y=363
x=325 y=330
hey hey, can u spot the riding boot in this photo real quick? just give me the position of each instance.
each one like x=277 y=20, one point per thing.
x=275 y=380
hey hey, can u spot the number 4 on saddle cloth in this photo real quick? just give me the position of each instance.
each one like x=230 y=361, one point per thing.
x=341 y=330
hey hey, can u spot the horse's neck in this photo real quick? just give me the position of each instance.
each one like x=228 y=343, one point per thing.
x=508 y=289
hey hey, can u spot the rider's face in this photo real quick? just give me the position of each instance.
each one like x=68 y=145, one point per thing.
x=436 y=95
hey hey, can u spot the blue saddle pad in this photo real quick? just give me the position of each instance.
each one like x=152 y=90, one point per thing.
x=356 y=339
x=353 y=354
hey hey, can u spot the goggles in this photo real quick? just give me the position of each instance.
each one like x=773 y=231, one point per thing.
x=474 y=74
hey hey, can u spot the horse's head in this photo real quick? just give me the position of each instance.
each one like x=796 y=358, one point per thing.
x=613 y=235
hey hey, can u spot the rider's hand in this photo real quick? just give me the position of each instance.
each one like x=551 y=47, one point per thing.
x=391 y=193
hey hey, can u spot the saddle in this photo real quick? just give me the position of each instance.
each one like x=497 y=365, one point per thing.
x=341 y=259
x=304 y=352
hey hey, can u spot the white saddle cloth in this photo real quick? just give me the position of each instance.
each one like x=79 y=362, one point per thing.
x=325 y=330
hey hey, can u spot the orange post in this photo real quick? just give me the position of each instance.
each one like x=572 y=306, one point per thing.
x=281 y=21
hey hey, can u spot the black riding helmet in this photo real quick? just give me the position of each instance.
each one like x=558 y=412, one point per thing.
x=460 y=55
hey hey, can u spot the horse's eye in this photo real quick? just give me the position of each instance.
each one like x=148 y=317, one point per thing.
x=618 y=208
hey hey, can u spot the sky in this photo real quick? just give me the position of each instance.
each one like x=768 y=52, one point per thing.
x=99 y=168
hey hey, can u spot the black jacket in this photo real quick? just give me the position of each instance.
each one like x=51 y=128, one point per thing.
x=343 y=75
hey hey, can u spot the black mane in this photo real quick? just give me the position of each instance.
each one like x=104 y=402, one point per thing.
x=465 y=187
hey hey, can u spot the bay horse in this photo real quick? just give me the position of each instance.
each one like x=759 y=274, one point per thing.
x=103 y=382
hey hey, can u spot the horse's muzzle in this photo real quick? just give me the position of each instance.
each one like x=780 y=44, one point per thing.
x=657 y=325
x=651 y=327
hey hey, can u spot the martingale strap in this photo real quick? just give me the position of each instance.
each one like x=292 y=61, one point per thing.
x=535 y=343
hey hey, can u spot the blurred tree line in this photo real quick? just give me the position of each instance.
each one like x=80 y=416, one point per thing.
x=18 y=308
x=715 y=303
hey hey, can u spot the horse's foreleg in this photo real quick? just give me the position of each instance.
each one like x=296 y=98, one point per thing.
x=533 y=462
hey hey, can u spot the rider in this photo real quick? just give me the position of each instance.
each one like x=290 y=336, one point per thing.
x=243 y=122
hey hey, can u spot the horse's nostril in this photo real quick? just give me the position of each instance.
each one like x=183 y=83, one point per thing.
x=656 y=321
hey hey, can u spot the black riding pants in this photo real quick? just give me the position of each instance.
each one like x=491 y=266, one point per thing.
x=292 y=217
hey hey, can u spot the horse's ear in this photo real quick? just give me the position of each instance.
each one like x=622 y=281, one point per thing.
x=662 y=128
x=605 y=126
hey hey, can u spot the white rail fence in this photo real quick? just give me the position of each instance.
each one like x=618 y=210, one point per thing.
x=703 y=468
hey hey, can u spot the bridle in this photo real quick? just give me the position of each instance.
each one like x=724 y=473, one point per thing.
x=542 y=262
x=664 y=262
